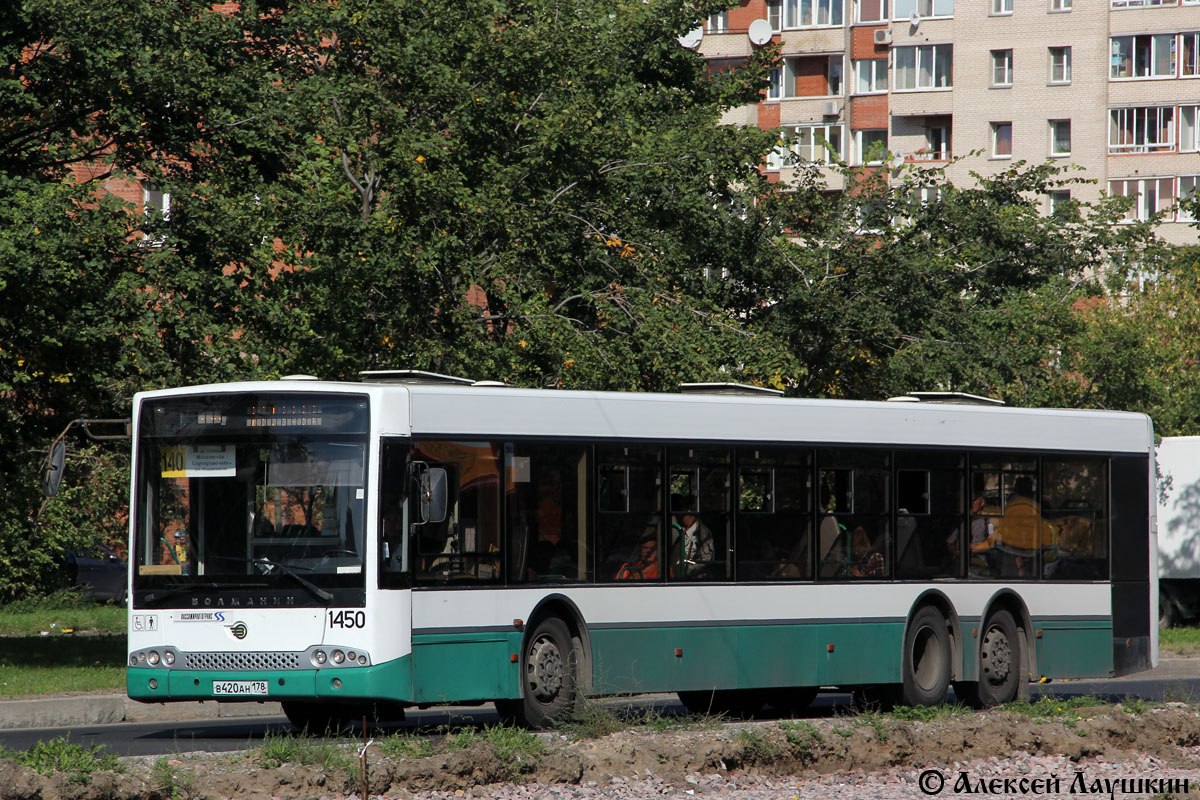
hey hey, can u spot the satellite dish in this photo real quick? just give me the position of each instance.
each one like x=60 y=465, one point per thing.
x=915 y=19
x=897 y=160
x=691 y=39
x=760 y=31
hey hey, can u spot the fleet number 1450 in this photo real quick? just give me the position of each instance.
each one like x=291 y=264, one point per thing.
x=347 y=619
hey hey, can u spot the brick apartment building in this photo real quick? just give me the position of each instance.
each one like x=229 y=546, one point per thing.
x=1112 y=86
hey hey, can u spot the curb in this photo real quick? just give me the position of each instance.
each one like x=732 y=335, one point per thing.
x=107 y=709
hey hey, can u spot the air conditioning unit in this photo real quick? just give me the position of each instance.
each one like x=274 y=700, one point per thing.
x=831 y=108
x=883 y=36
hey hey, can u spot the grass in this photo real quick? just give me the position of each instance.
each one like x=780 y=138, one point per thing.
x=406 y=745
x=62 y=612
x=62 y=756
x=278 y=749
x=1045 y=708
x=169 y=781
x=1179 y=642
x=35 y=665
x=42 y=653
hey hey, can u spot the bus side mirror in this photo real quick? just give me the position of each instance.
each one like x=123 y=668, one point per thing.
x=431 y=490
x=52 y=472
x=436 y=496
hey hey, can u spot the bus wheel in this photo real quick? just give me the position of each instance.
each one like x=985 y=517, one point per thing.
x=732 y=703
x=926 y=665
x=548 y=666
x=999 y=661
x=793 y=700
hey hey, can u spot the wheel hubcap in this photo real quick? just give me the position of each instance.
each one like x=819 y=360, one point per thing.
x=925 y=662
x=996 y=656
x=546 y=670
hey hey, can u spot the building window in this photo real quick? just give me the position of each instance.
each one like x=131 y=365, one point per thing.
x=1060 y=65
x=812 y=13
x=819 y=144
x=1060 y=5
x=1002 y=68
x=1002 y=6
x=905 y=9
x=1060 y=137
x=1149 y=56
x=1001 y=140
x=1189 y=65
x=718 y=22
x=1189 y=128
x=775 y=15
x=870 y=76
x=1151 y=195
x=156 y=205
x=1141 y=130
x=1139 y=3
x=873 y=10
x=1058 y=200
x=1187 y=192
x=775 y=86
x=923 y=67
x=870 y=146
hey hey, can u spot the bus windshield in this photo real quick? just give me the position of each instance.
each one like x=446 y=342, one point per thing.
x=251 y=499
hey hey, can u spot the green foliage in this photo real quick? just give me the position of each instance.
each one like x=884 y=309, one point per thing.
x=504 y=190
x=406 y=745
x=63 y=756
x=756 y=745
x=927 y=713
x=1179 y=641
x=803 y=739
x=278 y=749
x=170 y=781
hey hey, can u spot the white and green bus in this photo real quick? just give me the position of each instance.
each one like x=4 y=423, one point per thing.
x=415 y=540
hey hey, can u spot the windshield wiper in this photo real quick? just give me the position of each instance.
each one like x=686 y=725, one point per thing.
x=290 y=571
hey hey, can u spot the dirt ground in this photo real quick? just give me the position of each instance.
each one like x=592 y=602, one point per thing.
x=864 y=743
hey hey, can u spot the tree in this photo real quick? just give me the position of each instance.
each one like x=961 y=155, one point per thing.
x=926 y=285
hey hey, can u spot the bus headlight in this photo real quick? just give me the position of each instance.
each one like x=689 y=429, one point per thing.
x=319 y=657
x=153 y=658
x=168 y=658
x=338 y=656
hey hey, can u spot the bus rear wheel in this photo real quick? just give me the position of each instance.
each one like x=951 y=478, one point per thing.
x=549 y=687
x=1000 y=661
x=926 y=665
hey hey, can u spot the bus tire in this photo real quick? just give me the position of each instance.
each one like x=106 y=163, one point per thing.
x=732 y=703
x=925 y=669
x=1000 y=660
x=549 y=663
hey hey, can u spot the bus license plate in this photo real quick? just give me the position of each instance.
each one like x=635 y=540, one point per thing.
x=239 y=687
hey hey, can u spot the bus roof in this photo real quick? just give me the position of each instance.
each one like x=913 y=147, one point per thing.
x=489 y=411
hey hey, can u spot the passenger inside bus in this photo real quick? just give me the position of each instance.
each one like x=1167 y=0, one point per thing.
x=868 y=561
x=643 y=564
x=691 y=539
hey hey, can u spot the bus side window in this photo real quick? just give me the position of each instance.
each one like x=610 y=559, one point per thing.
x=629 y=514
x=546 y=512
x=465 y=548
x=393 y=538
x=774 y=528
